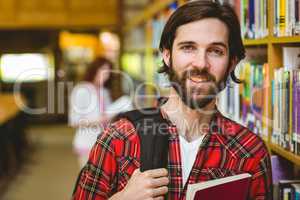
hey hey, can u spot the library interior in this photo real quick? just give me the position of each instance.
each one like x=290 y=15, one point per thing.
x=51 y=53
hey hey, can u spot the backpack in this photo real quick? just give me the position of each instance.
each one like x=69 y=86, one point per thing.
x=152 y=130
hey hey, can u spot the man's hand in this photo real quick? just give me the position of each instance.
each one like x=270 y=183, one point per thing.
x=151 y=184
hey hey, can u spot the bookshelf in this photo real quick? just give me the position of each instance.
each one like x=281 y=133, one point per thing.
x=274 y=58
x=249 y=42
x=285 y=40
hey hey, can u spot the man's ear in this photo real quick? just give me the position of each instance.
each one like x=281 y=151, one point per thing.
x=166 y=56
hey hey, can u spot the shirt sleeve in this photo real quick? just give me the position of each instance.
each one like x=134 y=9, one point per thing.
x=261 y=186
x=96 y=179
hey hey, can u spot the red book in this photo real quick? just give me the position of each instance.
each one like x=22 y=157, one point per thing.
x=231 y=187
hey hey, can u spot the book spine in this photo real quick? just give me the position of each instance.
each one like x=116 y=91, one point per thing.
x=287 y=111
x=290 y=126
x=256 y=19
x=276 y=112
x=292 y=17
x=284 y=105
x=293 y=108
x=280 y=105
x=275 y=18
x=272 y=109
x=295 y=111
x=287 y=17
x=265 y=19
x=246 y=18
x=298 y=107
x=282 y=17
x=242 y=17
x=266 y=96
x=277 y=12
x=251 y=19
x=297 y=17
x=274 y=101
x=296 y=13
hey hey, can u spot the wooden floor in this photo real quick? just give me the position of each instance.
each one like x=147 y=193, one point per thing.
x=53 y=168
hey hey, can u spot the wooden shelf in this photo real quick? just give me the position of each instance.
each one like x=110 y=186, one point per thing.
x=285 y=40
x=147 y=14
x=286 y=154
x=272 y=40
x=256 y=42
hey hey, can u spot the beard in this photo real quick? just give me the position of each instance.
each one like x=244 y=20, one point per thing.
x=196 y=97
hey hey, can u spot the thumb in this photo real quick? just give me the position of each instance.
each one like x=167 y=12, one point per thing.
x=136 y=172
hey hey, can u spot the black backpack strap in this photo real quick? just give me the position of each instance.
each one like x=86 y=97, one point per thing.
x=152 y=130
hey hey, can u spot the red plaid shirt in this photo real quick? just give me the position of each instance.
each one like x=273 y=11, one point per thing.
x=228 y=149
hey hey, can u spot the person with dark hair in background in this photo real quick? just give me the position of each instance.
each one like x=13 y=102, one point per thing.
x=88 y=102
x=201 y=45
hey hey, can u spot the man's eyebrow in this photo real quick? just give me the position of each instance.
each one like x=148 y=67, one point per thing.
x=219 y=44
x=186 y=43
x=193 y=43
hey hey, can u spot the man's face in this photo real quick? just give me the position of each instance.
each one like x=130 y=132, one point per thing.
x=199 y=61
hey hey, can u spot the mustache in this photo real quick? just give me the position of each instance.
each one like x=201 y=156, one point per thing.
x=197 y=72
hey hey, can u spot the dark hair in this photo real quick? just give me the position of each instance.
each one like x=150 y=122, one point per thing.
x=197 y=10
x=94 y=66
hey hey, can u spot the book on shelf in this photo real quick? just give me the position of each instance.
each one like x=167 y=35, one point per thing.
x=286 y=109
x=222 y=188
x=288 y=189
x=291 y=57
x=295 y=193
x=253 y=15
x=285 y=102
x=286 y=18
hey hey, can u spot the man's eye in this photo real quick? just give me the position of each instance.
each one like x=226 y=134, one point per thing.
x=216 y=52
x=188 y=48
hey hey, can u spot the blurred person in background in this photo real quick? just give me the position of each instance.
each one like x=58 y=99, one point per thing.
x=88 y=102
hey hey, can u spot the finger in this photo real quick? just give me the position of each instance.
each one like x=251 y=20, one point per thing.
x=158 y=182
x=159 y=198
x=160 y=191
x=155 y=173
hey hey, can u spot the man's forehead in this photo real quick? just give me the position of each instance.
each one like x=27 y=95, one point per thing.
x=208 y=30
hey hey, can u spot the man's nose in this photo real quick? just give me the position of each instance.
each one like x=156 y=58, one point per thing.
x=200 y=60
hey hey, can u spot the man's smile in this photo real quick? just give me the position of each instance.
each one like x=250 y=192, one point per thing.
x=199 y=78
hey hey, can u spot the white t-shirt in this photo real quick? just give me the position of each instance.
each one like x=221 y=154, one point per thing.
x=84 y=107
x=188 y=153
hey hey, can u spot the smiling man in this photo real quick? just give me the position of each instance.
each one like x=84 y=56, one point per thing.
x=201 y=45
